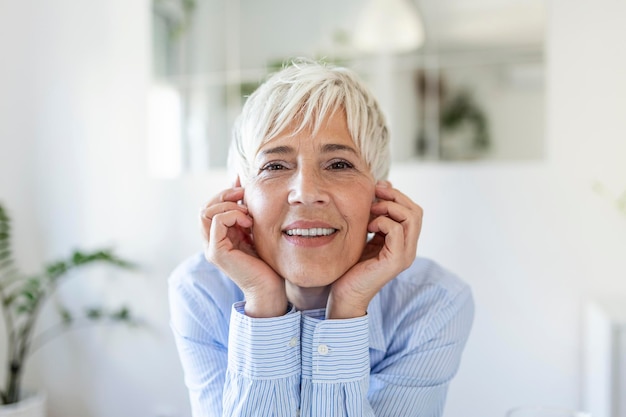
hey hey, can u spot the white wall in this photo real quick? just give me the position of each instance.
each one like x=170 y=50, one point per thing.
x=553 y=243
x=74 y=175
x=17 y=144
x=17 y=179
x=533 y=240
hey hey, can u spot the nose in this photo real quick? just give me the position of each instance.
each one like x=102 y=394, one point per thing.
x=308 y=187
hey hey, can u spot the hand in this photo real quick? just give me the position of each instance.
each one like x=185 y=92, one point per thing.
x=397 y=223
x=226 y=227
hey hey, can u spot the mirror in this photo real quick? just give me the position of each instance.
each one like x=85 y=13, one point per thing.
x=474 y=90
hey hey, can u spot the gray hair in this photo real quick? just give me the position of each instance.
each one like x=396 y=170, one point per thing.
x=309 y=91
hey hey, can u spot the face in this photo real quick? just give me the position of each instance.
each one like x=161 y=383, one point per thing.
x=310 y=198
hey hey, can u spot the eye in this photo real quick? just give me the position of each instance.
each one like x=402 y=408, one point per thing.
x=273 y=166
x=340 y=165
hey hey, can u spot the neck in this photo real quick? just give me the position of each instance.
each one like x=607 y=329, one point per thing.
x=307 y=298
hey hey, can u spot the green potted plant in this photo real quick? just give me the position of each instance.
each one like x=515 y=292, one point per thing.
x=619 y=201
x=22 y=298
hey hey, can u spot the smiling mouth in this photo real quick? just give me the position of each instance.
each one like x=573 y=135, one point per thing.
x=312 y=232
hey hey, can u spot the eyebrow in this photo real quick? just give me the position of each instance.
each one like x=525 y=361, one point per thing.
x=332 y=147
x=278 y=150
x=328 y=148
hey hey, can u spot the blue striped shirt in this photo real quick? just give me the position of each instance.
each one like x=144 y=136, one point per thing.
x=398 y=360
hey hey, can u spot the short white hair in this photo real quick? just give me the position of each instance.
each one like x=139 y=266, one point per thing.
x=309 y=91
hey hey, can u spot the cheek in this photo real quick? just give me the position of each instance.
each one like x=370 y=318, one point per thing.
x=264 y=208
x=255 y=198
x=358 y=206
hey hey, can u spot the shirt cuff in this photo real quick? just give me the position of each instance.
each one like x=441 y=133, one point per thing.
x=264 y=348
x=335 y=350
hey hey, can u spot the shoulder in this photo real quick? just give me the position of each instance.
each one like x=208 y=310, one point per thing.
x=425 y=296
x=427 y=275
x=199 y=283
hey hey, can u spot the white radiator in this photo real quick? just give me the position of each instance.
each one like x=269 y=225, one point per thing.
x=604 y=359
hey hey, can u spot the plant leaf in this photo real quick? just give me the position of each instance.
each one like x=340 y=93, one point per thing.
x=94 y=313
x=5 y=235
x=56 y=269
x=25 y=308
x=123 y=314
x=66 y=315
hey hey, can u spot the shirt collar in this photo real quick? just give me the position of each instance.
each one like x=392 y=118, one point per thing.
x=374 y=311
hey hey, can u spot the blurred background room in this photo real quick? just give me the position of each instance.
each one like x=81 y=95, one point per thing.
x=508 y=127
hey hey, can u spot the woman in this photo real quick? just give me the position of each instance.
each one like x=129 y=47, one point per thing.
x=309 y=299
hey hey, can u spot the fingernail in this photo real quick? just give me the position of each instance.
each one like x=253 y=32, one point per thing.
x=383 y=184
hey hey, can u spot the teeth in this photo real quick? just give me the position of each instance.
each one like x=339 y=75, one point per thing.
x=316 y=231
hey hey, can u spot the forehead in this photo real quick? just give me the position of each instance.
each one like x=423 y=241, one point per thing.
x=331 y=129
x=332 y=125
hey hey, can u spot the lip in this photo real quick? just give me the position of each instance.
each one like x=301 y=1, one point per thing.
x=308 y=224
x=309 y=242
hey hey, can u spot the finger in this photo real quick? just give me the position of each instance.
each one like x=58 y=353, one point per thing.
x=231 y=194
x=393 y=232
x=210 y=211
x=386 y=207
x=373 y=246
x=207 y=214
x=394 y=210
x=221 y=225
x=223 y=221
x=409 y=220
x=384 y=192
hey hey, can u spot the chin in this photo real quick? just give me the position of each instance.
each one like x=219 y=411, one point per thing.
x=305 y=279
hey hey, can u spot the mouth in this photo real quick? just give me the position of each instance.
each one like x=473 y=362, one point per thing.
x=310 y=232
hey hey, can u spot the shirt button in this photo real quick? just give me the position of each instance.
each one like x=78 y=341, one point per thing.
x=293 y=342
x=322 y=349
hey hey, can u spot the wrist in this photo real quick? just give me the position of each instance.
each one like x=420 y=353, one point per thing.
x=337 y=309
x=346 y=303
x=266 y=305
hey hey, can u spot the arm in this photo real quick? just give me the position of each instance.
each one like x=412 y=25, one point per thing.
x=263 y=374
x=410 y=378
x=248 y=367
x=226 y=226
x=335 y=367
x=259 y=373
x=413 y=377
x=200 y=333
